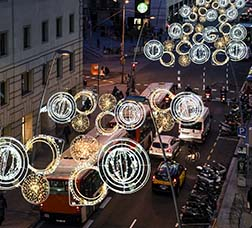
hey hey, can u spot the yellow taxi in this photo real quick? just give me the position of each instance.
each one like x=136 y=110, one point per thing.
x=160 y=181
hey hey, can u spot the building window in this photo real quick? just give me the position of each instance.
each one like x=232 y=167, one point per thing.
x=45 y=72
x=71 y=23
x=3 y=93
x=71 y=62
x=59 y=27
x=59 y=66
x=3 y=43
x=45 y=31
x=27 y=36
x=26 y=82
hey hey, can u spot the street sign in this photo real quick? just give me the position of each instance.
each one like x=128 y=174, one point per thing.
x=242 y=132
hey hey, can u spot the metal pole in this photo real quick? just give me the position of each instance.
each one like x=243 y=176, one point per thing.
x=98 y=82
x=123 y=38
x=167 y=168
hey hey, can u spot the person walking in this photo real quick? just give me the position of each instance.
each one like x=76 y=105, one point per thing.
x=249 y=200
x=3 y=205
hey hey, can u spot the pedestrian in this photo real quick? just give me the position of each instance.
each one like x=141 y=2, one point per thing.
x=249 y=200
x=66 y=133
x=115 y=90
x=120 y=95
x=3 y=205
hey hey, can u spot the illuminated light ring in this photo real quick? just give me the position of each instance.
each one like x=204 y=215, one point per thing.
x=185 y=11
x=175 y=31
x=99 y=126
x=154 y=97
x=200 y=2
x=172 y=60
x=129 y=114
x=232 y=13
x=74 y=190
x=179 y=46
x=208 y=1
x=164 y=121
x=208 y=36
x=238 y=32
x=187 y=108
x=215 y=5
x=211 y=15
x=240 y=4
x=153 y=50
x=199 y=28
x=89 y=95
x=80 y=123
x=107 y=102
x=184 y=60
x=236 y=50
x=84 y=148
x=222 y=18
x=193 y=17
x=55 y=149
x=124 y=165
x=217 y=62
x=61 y=107
x=202 y=19
x=14 y=163
x=169 y=45
x=35 y=189
x=203 y=14
x=223 y=3
x=195 y=36
x=201 y=49
x=222 y=26
x=190 y=27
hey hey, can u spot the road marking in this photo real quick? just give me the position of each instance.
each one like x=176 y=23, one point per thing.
x=105 y=202
x=229 y=139
x=88 y=223
x=212 y=150
x=196 y=88
x=214 y=145
x=214 y=90
x=138 y=84
x=232 y=91
x=208 y=158
x=133 y=223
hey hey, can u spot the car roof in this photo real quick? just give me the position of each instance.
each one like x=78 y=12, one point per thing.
x=164 y=138
x=173 y=167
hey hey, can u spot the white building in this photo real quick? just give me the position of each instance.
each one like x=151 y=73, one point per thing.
x=30 y=32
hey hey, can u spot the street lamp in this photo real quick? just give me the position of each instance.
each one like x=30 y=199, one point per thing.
x=56 y=53
x=143 y=99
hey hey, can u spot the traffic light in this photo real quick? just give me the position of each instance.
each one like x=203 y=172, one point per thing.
x=142 y=8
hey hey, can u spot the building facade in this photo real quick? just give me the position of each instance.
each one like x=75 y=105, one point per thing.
x=30 y=33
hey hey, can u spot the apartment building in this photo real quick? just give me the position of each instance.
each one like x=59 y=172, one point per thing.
x=30 y=33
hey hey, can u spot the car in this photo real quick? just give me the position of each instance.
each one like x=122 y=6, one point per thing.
x=171 y=146
x=160 y=181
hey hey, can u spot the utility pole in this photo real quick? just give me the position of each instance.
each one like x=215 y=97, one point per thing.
x=123 y=40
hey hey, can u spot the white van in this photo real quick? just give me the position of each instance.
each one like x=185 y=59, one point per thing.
x=198 y=131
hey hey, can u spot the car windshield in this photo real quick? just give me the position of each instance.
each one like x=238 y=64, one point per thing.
x=162 y=173
x=158 y=145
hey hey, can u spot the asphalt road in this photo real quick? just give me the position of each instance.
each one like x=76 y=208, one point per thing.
x=147 y=209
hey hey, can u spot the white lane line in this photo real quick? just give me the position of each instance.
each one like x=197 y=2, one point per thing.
x=214 y=90
x=138 y=84
x=229 y=139
x=105 y=202
x=196 y=88
x=133 y=223
x=232 y=91
x=88 y=223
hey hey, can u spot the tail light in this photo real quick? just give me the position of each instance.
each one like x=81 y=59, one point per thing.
x=153 y=177
x=41 y=205
x=169 y=150
x=77 y=208
x=174 y=181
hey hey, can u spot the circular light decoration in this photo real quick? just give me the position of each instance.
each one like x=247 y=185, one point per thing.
x=199 y=53
x=223 y=3
x=199 y=28
x=240 y=4
x=164 y=121
x=210 y=34
x=222 y=53
x=238 y=32
x=202 y=11
x=155 y=97
x=183 y=44
x=211 y=15
x=35 y=189
x=225 y=28
x=107 y=102
x=55 y=149
x=153 y=50
x=185 y=11
x=129 y=114
x=80 y=123
x=197 y=38
x=187 y=29
x=61 y=107
x=170 y=62
x=142 y=7
x=200 y=2
x=222 y=18
x=231 y=13
x=215 y=5
x=187 y=108
x=184 y=60
x=237 y=50
x=175 y=31
x=169 y=45
x=87 y=95
x=124 y=165
x=75 y=191
x=193 y=17
x=14 y=163
x=84 y=147
x=100 y=128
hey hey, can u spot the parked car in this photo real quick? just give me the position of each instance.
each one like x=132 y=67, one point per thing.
x=171 y=146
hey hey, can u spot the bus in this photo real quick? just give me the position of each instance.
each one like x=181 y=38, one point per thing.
x=57 y=207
